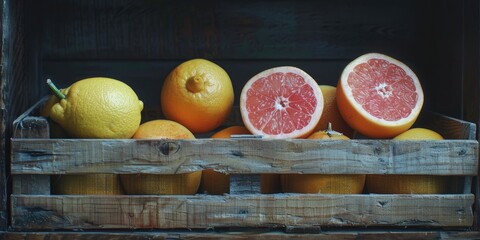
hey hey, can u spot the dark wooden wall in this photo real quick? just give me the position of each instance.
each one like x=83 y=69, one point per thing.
x=140 y=41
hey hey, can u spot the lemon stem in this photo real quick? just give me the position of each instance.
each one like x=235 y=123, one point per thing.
x=195 y=84
x=55 y=90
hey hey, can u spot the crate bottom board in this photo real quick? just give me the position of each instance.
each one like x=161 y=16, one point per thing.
x=324 y=235
x=90 y=212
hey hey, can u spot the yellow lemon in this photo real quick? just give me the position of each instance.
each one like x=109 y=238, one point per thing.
x=98 y=108
x=52 y=100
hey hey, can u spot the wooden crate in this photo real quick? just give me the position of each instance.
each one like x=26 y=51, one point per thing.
x=140 y=41
x=35 y=156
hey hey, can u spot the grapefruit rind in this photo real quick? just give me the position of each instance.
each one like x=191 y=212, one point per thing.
x=370 y=125
x=298 y=133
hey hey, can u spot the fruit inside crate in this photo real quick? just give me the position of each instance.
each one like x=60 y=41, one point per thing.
x=35 y=157
x=141 y=41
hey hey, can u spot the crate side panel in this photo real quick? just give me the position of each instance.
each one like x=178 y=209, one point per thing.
x=31 y=127
x=249 y=234
x=192 y=212
x=450 y=157
x=448 y=127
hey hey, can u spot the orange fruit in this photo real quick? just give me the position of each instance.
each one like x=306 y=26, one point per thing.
x=229 y=131
x=218 y=183
x=214 y=182
x=409 y=184
x=180 y=184
x=419 y=134
x=331 y=114
x=329 y=133
x=270 y=183
x=197 y=94
x=160 y=129
x=379 y=96
x=281 y=102
x=86 y=184
x=324 y=183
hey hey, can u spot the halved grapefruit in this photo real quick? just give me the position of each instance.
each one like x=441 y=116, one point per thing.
x=281 y=102
x=379 y=96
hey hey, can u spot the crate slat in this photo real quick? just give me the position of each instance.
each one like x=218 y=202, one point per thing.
x=58 y=156
x=31 y=127
x=247 y=234
x=31 y=212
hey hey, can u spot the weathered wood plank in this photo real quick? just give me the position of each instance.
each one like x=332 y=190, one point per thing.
x=245 y=184
x=247 y=234
x=31 y=127
x=31 y=212
x=448 y=127
x=39 y=156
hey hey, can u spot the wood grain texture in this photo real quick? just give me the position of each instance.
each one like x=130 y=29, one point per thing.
x=256 y=210
x=470 y=93
x=38 y=128
x=448 y=127
x=49 y=156
x=19 y=70
x=248 y=234
x=214 y=29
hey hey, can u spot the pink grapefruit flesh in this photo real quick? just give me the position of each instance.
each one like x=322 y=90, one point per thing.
x=282 y=102
x=379 y=96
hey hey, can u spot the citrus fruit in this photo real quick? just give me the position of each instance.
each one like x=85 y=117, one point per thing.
x=56 y=131
x=229 y=131
x=331 y=114
x=86 y=184
x=419 y=134
x=214 y=182
x=329 y=133
x=270 y=183
x=162 y=128
x=281 y=102
x=197 y=94
x=98 y=108
x=52 y=100
x=379 y=96
x=409 y=184
x=218 y=183
x=178 y=184
x=324 y=183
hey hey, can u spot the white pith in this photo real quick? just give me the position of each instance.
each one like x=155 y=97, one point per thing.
x=383 y=90
x=348 y=91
